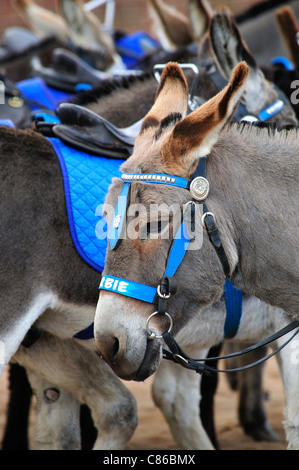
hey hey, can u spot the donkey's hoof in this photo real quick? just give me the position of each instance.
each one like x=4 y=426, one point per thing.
x=263 y=432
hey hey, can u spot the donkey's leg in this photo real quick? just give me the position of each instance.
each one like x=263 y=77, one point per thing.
x=249 y=384
x=252 y=413
x=175 y=391
x=91 y=381
x=208 y=387
x=57 y=425
x=16 y=427
x=288 y=361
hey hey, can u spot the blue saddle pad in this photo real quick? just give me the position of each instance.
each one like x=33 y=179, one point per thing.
x=135 y=46
x=86 y=181
x=39 y=95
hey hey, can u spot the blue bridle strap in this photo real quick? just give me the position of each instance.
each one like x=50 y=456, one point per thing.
x=156 y=178
x=128 y=288
x=233 y=300
x=178 y=250
x=271 y=110
x=116 y=229
x=117 y=225
x=144 y=292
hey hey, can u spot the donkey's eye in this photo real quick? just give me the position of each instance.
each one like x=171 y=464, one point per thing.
x=153 y=228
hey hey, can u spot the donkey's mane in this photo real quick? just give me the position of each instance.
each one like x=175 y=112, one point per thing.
x=268 y=130
x=260 y=140
x=108 y=87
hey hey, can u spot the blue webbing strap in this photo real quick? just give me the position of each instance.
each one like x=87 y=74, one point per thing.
x=284 y=61
x=157 y=178
x=233 y=301
x=142 y=291
x=119 y=217
x=85 y=334
x=271 y=110
x=178 y=250
x=128 y=288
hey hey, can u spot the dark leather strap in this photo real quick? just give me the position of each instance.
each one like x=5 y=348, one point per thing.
x=214 y=237
x=176 y=354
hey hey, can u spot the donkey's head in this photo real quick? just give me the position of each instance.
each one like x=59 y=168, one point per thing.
x=86 y=33
x=260 y=97
x=42 y=21
x=170 y=25
x=76 y=27
x=166 y=153
x=174 y=29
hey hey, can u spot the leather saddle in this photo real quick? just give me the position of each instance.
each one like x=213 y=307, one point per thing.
x=16 y=40
x=67 y=70
x=20 y=43
x=88 y=132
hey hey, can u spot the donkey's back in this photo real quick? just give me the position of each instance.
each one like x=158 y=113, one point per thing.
x=38 y=259
x=262 y=166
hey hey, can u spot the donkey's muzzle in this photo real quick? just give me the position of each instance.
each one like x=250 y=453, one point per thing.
x=122 y=340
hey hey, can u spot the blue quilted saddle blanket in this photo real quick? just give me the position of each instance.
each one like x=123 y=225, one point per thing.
x=86 y=181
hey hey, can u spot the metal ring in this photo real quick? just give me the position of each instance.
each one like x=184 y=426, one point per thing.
x=153 y=335
x=205 y=215
x=163 y=296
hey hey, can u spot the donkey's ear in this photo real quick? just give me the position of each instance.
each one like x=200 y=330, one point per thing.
x=227 y=43
x=171 y=97
x=43 y=22
x=194 y=136
x=288 y=27
x=170 y=26
x=229 y=49
x=87 y=33
x=200 y=14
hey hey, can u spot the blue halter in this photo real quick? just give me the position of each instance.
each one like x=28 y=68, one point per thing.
x=178 y=249
x=199 y=189
x=142 y=291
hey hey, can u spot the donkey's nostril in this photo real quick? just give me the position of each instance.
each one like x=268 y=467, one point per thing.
x=115 y=348
x=110 y=348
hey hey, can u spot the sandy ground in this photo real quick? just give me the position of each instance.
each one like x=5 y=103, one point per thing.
x=153 y=433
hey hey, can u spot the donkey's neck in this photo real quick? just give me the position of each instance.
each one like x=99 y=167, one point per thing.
x=254 y=176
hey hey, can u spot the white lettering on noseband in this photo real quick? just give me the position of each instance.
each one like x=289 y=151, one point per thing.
x=114 y=284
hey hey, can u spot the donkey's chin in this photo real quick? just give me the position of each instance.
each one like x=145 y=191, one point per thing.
x=151 y=361
x=148 y=365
